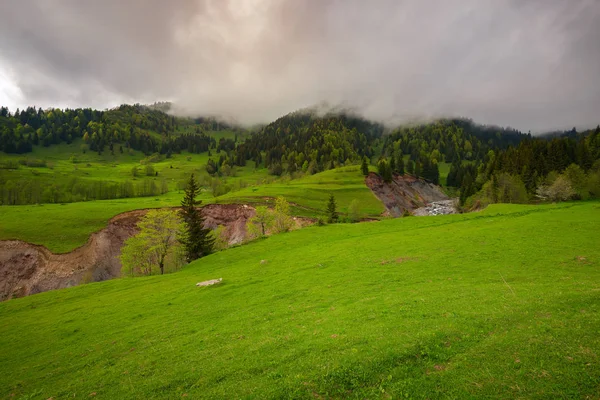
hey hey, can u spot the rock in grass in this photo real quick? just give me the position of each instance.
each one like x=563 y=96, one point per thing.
x=210 y=282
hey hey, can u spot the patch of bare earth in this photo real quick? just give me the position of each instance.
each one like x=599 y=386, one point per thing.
x=404 y=193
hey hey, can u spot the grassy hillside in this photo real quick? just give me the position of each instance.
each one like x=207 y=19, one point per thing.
x=63 y=227
x=65 y=162
x=498 y=304
x=312 y=192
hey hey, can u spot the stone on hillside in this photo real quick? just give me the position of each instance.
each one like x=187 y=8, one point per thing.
x=210 y=282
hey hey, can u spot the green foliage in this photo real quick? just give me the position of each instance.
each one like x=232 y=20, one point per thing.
x=138 y=127
x=481 y=305
x=197 y=239
x=219 y=238
x=332 y=214
x=282 y=221
x=354 y=212
x=364 y=167
x=559 y=190
x=155 y=247
x=149 y=170
x=578 y=180
x=74 y=189
x=303 y=140
x=410 y=167
x=262 y=220
x=385 y=170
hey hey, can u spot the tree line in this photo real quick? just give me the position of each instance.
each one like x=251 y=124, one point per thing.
x=136 y=127
x=37 y=191
x=556 y=168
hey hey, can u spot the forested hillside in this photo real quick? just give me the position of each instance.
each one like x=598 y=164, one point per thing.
x=548 y=169
x=138 y=127
x=303 y=141
x=59 y=156
x=484 y=163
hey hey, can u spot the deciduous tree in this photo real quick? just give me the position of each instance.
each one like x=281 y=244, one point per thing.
x=155 y=247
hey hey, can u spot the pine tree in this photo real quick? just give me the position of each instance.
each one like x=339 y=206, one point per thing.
x=383 y=167
x=197 y=240
x=400 y=165
x=364 y=167
x=332 y=215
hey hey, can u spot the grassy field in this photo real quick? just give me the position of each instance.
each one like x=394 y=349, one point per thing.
x=64 y=227
x=502 y=303
x=312 y=192
x=66 y=161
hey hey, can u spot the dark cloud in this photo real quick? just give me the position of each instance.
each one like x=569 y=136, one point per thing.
x=530 y=64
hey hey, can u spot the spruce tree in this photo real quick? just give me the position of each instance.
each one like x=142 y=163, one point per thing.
x=197 y=240
x=332 y=215
x=364 y=167
x=383 y=167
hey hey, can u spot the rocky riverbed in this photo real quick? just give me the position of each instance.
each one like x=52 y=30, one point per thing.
x=442 y=207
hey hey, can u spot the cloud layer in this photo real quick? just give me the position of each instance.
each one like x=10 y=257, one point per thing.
x=530 y=64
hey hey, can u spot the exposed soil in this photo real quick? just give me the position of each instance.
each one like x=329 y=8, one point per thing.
x=27 y=269
x=404 y=193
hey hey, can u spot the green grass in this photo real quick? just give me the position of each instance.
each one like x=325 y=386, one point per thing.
x=107 y=167
x=64 y=227
x=498 y=304
x=312 y=192
x=444 y=170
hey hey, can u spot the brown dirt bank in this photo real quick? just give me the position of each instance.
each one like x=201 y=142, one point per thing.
x=28 y=269
x=405 y=192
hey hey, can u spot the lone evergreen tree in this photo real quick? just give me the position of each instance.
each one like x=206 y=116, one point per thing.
x=364 y=167
x=332 y=215
x=197 y=240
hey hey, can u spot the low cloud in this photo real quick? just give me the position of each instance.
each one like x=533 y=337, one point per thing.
x=528 y=64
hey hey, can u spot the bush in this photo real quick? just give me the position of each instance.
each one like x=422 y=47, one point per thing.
x=282 y=221
x=149 y=170
x=354 y=214
x=593 y=184
x=560 y=190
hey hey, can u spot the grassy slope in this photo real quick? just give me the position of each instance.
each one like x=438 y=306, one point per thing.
x=116 y=168
x=502 y=303
x=313 y=191
x=62 y=228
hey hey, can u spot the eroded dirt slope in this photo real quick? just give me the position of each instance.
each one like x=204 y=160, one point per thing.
x=404 y=193
x=26 y=268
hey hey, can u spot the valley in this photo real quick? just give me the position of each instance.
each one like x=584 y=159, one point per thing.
x=361 y=285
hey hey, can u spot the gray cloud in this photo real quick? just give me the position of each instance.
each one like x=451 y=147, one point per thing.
x=530 y=64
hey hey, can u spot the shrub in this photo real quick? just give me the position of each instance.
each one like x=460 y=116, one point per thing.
x=560 y=190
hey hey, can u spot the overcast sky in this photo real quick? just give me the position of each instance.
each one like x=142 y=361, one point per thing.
x=530 y=64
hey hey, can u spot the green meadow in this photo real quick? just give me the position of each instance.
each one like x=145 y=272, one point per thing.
x=67 y=161
x=502 y=303
x=64 y=227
